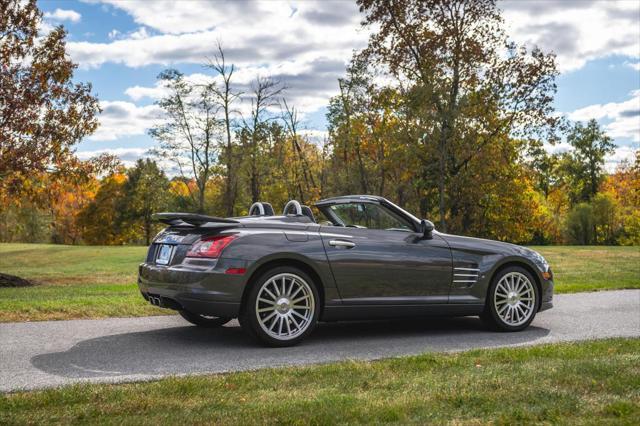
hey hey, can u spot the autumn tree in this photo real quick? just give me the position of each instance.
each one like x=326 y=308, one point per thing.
x=191 y=131
x=346 y=116
x=468 y=85
x=584 y=165
x=146 y=192
x=43 y=113
x=623 y=186
x=265 y=93
x=227 y=97
x=304 y=174
x=100 y=219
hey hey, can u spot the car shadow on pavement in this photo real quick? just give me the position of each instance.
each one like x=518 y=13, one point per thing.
x=191 y=350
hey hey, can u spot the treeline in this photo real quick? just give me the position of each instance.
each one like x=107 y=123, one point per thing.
x=439 y=113
x=117 y=208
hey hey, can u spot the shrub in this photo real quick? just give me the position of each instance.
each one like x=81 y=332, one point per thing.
x=580 y=225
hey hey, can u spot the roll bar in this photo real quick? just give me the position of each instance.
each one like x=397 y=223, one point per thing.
x=260 y=209
x=296 y=205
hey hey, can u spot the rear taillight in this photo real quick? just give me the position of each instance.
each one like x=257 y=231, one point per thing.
x=211 y=246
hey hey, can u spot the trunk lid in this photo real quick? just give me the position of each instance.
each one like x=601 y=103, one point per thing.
x=171 y=245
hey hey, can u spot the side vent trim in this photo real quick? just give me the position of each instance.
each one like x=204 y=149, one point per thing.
x=465 y=275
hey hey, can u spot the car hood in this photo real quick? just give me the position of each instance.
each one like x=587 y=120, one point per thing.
x=486 y=247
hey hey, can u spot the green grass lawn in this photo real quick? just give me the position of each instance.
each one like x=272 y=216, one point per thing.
x=580 y=383
x=75 y=282
x=589 y=268
x=93 y=282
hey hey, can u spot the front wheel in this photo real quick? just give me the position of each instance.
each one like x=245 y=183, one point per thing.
x=205 y=321
x=282 y=307
x=512 y=300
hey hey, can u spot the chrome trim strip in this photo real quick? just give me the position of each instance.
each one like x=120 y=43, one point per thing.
x=465 y=281
x=467 y=269
x=466 y=275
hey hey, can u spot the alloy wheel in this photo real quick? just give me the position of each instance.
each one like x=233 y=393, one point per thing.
x=514 y=299
x=285 y=306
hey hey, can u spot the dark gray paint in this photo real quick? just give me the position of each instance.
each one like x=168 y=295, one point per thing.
x=386 y=273
x=388 y=267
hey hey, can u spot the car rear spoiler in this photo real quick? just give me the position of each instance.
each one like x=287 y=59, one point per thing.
x=193 y=219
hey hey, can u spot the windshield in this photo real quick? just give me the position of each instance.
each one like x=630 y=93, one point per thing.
x=365 y=215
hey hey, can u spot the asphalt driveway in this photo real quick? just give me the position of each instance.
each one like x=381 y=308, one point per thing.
x=53 y=353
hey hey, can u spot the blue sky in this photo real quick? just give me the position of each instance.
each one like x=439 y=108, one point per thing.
x=122 y=46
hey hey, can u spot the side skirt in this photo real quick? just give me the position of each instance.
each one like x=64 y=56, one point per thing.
x=360 y=312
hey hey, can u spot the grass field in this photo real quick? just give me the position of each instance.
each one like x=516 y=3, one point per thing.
x=93 y=282
x=75 y=282
x=589 y=268
x=582 y=383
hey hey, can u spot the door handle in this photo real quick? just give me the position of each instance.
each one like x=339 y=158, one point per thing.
x=340 y=243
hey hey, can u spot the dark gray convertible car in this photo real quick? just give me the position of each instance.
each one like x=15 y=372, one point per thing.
x=365 y=258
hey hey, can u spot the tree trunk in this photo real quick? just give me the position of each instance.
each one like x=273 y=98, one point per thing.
x=201 y=197
x=147 y=231
x=231 y=187
x=441 y=181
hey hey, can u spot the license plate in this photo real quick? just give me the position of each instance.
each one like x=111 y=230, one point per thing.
x=164 y=254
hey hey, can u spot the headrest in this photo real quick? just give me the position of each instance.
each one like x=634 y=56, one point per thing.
x=306 y=210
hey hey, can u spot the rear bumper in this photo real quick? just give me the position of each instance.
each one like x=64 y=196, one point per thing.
x=207 y=291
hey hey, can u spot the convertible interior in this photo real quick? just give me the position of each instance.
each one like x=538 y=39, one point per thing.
x=351 y=215
x=292 y=209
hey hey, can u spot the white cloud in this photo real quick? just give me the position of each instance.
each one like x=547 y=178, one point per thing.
x=119 y=119
x=623 y=121
x=309 y=82
x=63 y=15
x=622 y=153
x=140 y=34
x=253 y=33
x=318 y=137
x=44 y=28
x=577 y=31
x=129 y=156
x=634 y=65
x=558 y=148
x=624 y=116
x=611 y=161
x=158 y=90
x=307 y=44
x=139 y=92
x=259 y=32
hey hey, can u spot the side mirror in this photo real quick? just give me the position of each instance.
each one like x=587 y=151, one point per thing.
x=426 y=227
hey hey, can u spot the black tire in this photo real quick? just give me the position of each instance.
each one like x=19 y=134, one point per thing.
x=249 y=315
x=204 y=320
x=491 y=316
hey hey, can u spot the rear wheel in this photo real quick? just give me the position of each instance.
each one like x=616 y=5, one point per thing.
x=205 y=321
x=512 y=300
x=282 y=307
